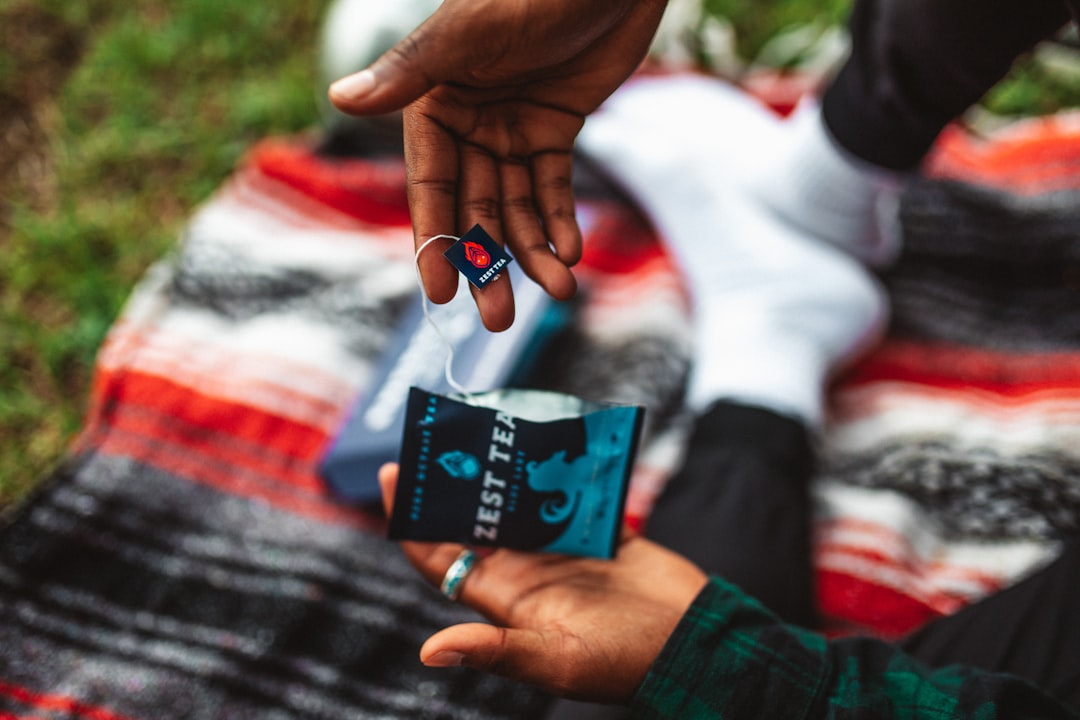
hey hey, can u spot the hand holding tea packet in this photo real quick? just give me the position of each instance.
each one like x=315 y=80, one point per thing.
x=555 y=619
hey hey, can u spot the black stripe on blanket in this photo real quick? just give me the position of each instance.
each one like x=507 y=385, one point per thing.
x=972 y=493
x=122 y=577
x=988 y=268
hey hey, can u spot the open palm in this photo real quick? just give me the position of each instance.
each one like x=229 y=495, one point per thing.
x=578 y=627
x=494 y=95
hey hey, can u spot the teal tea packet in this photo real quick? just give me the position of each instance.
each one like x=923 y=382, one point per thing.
x=523 y=469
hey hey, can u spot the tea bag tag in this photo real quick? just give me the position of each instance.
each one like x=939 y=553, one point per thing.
x=478 y=257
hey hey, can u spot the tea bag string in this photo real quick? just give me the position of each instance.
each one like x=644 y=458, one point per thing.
x=431 y=321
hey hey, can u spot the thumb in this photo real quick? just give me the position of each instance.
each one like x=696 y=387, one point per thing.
x=555 y=662
x=401 y=75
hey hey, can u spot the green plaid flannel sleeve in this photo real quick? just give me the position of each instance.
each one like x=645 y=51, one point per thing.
x=731 y=658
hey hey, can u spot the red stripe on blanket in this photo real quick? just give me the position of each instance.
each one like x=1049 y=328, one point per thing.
x=55 y=703
x=1052 y=414
x=863 y=605
x=872 y=540
x=368 y=189
x=1034 y=156
x=871 y=577
x=276 y=202
x=956 y=367
x=250 y=379
x=232 y=447
x=276 y=464
x=655 y=286
x=940 y=587
x=623 y=266
x=215 y=419
x=243 y=437
x=888 y=556
x=619 y=243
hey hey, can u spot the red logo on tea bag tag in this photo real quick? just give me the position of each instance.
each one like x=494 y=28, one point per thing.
x=476 y=254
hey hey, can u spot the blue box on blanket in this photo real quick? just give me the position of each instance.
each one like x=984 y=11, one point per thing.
x=371 y=436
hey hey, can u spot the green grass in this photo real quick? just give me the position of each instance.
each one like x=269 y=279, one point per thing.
x=164 y=99
x=756 y=22
x=142 y=109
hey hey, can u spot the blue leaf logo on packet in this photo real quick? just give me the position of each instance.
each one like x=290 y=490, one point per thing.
x=460 y=465
x=522 y=469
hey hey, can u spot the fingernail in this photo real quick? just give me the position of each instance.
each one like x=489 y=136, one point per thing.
x=446 y=658
x=354 y=86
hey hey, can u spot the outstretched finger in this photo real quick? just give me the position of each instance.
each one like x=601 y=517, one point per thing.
x=388 y=477
x=553 y=182
x=478 y=198
x=525 y=234
x=557 y=662
x=431 y=166
x=495 y=301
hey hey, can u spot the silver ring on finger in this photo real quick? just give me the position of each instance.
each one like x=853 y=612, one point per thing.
x=455 y=575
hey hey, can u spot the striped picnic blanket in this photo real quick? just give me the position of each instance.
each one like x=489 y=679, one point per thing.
x=187 y=561
x=952 y=462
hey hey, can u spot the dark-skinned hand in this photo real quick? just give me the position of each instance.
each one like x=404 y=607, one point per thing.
x=583 y=628
x=494 y=93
